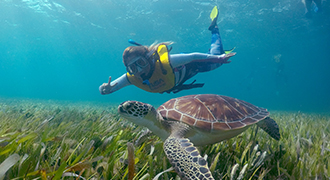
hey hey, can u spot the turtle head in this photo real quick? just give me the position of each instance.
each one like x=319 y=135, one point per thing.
x=137 y=112
x=143 y=114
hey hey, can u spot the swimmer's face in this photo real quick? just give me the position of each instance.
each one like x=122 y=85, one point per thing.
x=138 y=65
x=136 y=62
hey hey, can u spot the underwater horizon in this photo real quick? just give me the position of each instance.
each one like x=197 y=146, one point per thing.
x=64 y=50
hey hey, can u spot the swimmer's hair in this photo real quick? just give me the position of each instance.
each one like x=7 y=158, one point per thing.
x=153 y=46
x=134 y=51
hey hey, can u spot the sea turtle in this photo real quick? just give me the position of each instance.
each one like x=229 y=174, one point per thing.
x=197 y=120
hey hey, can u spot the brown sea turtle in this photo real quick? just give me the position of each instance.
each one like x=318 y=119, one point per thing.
x=197 y=120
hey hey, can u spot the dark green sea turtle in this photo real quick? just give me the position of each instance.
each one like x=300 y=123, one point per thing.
x=197 y=120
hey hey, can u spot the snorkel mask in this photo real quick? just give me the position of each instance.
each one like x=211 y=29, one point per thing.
x=137 y=65
x=140 y=62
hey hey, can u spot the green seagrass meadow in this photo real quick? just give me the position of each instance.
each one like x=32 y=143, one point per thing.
x=57 y=140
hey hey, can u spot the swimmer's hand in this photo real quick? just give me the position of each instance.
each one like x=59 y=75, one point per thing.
x=224 y=59
x=106 y=88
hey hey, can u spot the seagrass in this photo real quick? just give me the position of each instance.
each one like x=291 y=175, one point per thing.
x=56 y=140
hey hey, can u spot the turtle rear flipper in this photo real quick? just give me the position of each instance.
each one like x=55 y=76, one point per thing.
x=270 y=127
x=185 y=159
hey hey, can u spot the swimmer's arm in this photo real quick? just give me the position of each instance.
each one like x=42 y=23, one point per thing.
x=110 y=87
x=181 y=59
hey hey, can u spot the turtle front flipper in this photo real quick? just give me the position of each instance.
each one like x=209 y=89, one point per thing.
x=270 y=127
x=185 y=159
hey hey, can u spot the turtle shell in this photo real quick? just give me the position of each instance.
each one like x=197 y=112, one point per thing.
x=211 y=112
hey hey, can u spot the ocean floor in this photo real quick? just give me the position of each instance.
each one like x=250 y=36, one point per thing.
x=66 y=140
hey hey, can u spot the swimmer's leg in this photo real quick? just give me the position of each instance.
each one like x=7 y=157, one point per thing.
x=216 y=44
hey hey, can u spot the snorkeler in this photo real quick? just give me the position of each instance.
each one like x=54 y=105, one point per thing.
x=308 y=6
x=153 y=69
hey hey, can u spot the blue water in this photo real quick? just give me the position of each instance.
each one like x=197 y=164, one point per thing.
x=63 y=50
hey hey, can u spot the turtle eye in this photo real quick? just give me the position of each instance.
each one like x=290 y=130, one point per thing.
x=127 y=105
